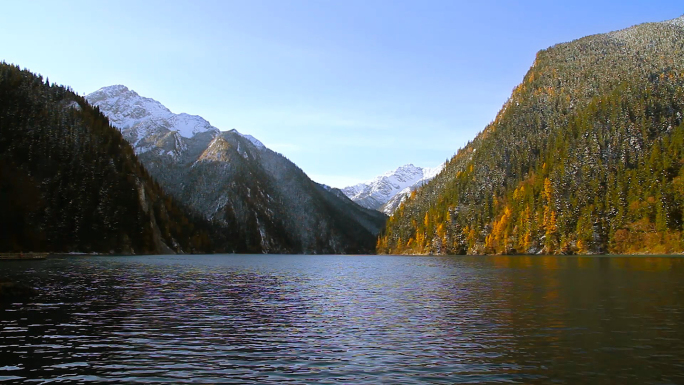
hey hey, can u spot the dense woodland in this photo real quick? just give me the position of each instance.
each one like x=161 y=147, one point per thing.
x=70 y=182
x=586 y=156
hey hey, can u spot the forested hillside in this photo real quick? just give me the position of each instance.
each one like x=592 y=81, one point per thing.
x=586 y=156
x=70 y=182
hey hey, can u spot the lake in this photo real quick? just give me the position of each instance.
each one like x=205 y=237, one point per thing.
x=345 y=319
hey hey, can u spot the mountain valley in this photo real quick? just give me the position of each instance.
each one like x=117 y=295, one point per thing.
x=585 y=157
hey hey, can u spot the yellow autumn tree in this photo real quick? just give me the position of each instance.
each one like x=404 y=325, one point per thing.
x=441 y=235
x=550 y=226
x=524 y=230
x=471 y=237
x=497 y=240
x=380 y=245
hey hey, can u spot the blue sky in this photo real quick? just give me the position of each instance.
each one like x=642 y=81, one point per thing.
x=345 y=89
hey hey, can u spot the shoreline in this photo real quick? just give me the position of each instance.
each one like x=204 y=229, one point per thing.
x=22 y=256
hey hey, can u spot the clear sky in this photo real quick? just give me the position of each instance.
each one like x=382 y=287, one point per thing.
x=346 y=89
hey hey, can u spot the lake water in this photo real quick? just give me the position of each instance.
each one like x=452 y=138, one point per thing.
x=346 y=319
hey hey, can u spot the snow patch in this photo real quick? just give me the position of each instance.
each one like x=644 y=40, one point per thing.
x=251 y=139
x=678 y=21
x=382 y=189
x=146 y=123
x=127 y=110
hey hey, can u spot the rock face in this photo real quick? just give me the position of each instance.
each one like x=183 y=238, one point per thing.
x=386 y=192
x=234 y=180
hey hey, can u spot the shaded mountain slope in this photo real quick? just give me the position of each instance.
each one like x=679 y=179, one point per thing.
x=586 y=156
x=70 y=182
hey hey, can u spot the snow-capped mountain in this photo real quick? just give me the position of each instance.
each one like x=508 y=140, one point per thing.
x=392 y=186
x=148 y=125
x=234 y=180
x=131 y=112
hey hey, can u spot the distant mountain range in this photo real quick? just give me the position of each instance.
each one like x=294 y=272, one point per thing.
x=232 y=179
x=386 y=192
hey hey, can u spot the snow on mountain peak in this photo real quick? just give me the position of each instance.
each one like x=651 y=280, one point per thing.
x=407 y=169
x=149 y=126
x=431 y=172
x=376 y=193
x=115 y=89
x=252 y=139
x=128 y=110
x=126 y=105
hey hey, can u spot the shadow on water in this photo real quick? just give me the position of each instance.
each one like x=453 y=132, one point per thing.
x=130 y=321
x=55 y=332
x=579 y=319
x=346 y=319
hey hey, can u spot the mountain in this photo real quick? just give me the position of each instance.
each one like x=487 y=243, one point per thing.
x=585 y=157
x=70 y=182
x=397 y=199
x=234 y=180
x=387 y=191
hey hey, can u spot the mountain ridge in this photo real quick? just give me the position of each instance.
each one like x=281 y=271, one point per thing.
x=234 y=180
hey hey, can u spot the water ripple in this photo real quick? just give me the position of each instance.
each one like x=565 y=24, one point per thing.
x=326 y=319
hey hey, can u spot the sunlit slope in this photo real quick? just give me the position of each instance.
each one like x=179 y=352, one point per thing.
x=585 y=156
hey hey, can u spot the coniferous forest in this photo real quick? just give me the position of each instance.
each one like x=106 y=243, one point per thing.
x=70 y=182
x=586 y=156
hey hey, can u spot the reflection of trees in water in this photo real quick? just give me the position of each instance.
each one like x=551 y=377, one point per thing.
x=523 y=319
x=206 y=322
x=60 y=332
x=113 y=320
x=578 y=317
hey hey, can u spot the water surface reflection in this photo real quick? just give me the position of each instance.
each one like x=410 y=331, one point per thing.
x=346 y=319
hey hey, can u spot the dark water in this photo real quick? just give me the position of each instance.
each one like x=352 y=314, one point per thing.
x=345 y=319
